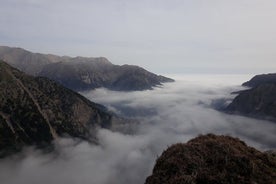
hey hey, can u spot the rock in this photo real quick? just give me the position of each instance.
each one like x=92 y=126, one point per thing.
x=213 y=159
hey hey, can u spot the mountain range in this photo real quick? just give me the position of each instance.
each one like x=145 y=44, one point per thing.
x=82 y=73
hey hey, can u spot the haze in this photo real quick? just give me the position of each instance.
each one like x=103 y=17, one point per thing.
x=164 y=36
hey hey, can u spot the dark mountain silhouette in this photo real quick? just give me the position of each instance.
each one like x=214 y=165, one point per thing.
x=213 y=159
x=259 y=101
x=81 y=73
x=261 y=79
x=36 y=110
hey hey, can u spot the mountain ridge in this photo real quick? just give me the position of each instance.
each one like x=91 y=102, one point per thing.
x=82 y=73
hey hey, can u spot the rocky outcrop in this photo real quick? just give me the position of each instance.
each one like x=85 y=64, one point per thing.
x=213 y=159
x=81 y=73
x=36 y=110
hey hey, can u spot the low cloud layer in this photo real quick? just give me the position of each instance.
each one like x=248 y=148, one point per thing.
x=175 y=113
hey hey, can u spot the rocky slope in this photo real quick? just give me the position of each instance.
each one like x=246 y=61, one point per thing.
x=213 y=159
x=36 y=110
x=258 y=101
x=80 y=73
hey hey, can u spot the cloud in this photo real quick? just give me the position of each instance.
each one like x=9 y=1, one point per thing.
x=182 y=110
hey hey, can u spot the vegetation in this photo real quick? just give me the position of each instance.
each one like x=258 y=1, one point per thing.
x=212 y=159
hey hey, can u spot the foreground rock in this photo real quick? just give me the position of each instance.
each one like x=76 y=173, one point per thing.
x=81 y=73
x=213 y=159
x=36 y=110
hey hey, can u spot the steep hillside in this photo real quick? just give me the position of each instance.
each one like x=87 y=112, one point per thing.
x=213 y=159
x=36 y=110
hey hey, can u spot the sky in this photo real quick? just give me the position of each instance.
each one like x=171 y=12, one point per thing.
x=163 y=36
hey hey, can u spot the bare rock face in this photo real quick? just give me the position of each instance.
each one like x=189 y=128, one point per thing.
x=81 y=73
x=213 y=159
x=36 y=110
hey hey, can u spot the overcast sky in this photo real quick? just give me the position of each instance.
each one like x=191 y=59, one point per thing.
x=165 y=36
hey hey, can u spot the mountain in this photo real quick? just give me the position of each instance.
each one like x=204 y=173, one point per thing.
x=30 y=63
x=81 y=73
x=258 y=101
x=261 y=79
x=36 y=110
x=213 y=159
x=90 y=75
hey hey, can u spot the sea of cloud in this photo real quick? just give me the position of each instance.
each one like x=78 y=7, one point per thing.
x=176 y=112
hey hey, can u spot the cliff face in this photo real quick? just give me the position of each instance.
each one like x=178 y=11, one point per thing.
x=213 y=159
x=81 y=73
x=35 y=110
